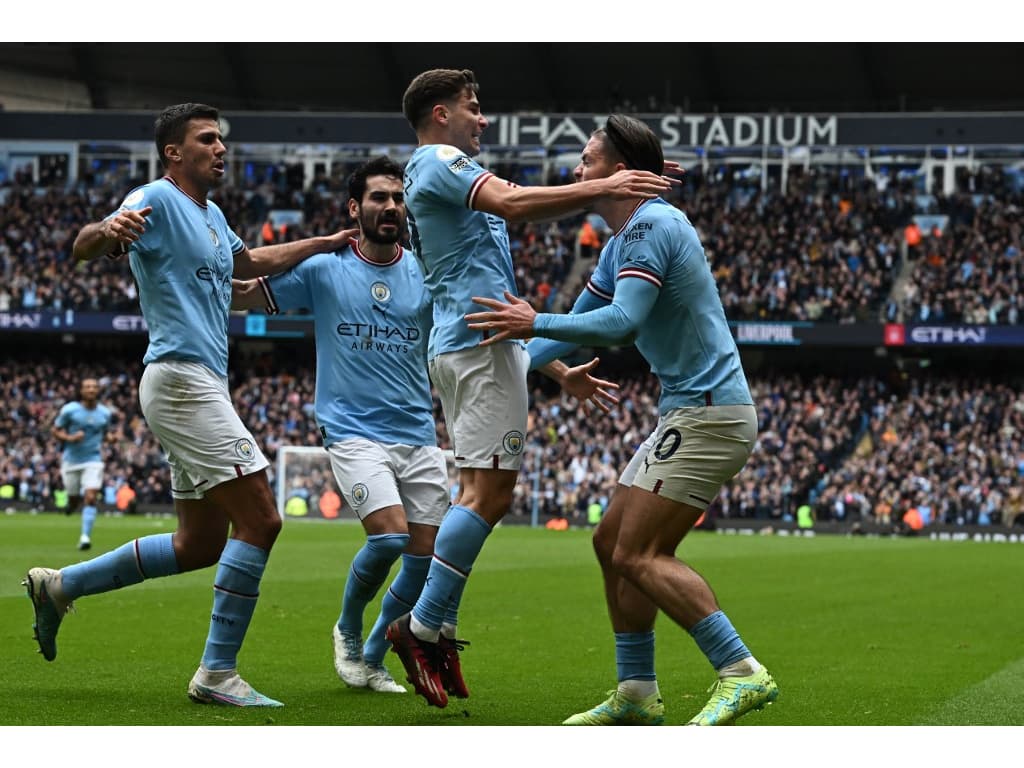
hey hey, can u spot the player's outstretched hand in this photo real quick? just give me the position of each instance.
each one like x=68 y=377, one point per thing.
x=589 y=390
x=513 y=320
x=126 y=226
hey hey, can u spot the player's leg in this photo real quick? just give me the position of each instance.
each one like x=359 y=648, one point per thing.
x=189 y=409
x=248 y=503
x=71 y=478
x=423 y=486
x=483 y=394
x=636 y=699
x=398 y=600
x=386 y=539
x=53 y=591
x=365 y=472
x=92 y=481
x=695 y=452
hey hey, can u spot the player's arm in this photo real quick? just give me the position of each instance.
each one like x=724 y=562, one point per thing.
x=273 y=259
x=253 y=294
x=515 y=203
x=604 y=327
x=63 y=435
x=545 y=351
x=111 y=237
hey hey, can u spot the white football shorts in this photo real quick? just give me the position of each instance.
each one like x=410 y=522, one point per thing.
x=189 y=409
x=483 y=394
x=78 y=478
x=372 y=476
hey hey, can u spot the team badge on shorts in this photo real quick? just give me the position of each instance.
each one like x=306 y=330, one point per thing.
x=244 y=450
x=380 y=292
x=513 y=442
x=359 y=494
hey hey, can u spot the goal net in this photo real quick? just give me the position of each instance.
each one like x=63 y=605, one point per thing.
x=306 y=487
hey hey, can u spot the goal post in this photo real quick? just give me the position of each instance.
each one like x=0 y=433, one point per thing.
x=306 y=488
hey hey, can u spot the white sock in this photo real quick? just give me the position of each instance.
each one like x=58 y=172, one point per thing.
x=637 y=690
x=422 y=631
x=742 y=668
x=448 y=630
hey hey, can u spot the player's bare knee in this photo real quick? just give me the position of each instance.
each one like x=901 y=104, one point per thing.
x=603 y=542
x=630 y=563
x=196 y=551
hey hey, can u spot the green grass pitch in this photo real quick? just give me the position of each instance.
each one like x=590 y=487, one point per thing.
x=857 y=631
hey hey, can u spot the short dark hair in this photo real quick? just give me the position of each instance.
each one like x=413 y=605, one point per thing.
x=171 y=124
x=432 y=86
x=632 y=142
x=379 y=166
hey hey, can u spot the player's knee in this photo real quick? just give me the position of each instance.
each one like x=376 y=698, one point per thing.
x=603 y=542
x=629 y=563
x=388 y=547
x=269 y=524
x=197 y=551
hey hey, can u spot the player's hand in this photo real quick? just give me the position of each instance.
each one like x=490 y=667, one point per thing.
x=75 y=437
x=590 y=391
x=342 y=238
x=505 y=321
x=672 y=168
x=126 y=226
x=627 y=184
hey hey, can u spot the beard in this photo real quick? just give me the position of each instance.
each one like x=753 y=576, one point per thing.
x=374 y=236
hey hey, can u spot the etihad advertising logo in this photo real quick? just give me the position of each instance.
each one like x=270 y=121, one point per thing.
x=899 y=334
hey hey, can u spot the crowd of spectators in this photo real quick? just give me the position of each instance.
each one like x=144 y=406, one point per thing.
x=827 y=249
x=971 y=270
x=854 y=448
x=950 y=449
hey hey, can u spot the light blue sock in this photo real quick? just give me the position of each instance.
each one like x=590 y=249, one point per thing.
x=370 y=567
x=459 y=540
x=88 y=519
x=634 y=655
x=718 y=640
x=235 y=590
x=145 y=558
x=451 y=615
x=399 y=599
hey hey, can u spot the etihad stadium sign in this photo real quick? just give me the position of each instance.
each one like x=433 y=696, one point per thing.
x=540 y=130
x=674 y=130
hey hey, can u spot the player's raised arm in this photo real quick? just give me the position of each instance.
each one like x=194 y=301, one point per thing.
x=272 y=259
x=515 y=203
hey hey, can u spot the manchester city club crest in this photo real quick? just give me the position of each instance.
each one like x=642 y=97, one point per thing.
x=380 y=292
x=244 y=450
x=359 y=494
x=513 y=442
x=213 y=237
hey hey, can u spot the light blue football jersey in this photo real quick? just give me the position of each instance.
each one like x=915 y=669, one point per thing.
x=75 y=417
x=371 y=324
x=685 y=337
x=465 y=253
x=183 y=264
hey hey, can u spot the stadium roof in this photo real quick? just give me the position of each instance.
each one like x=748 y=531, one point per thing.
x=556 y=77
